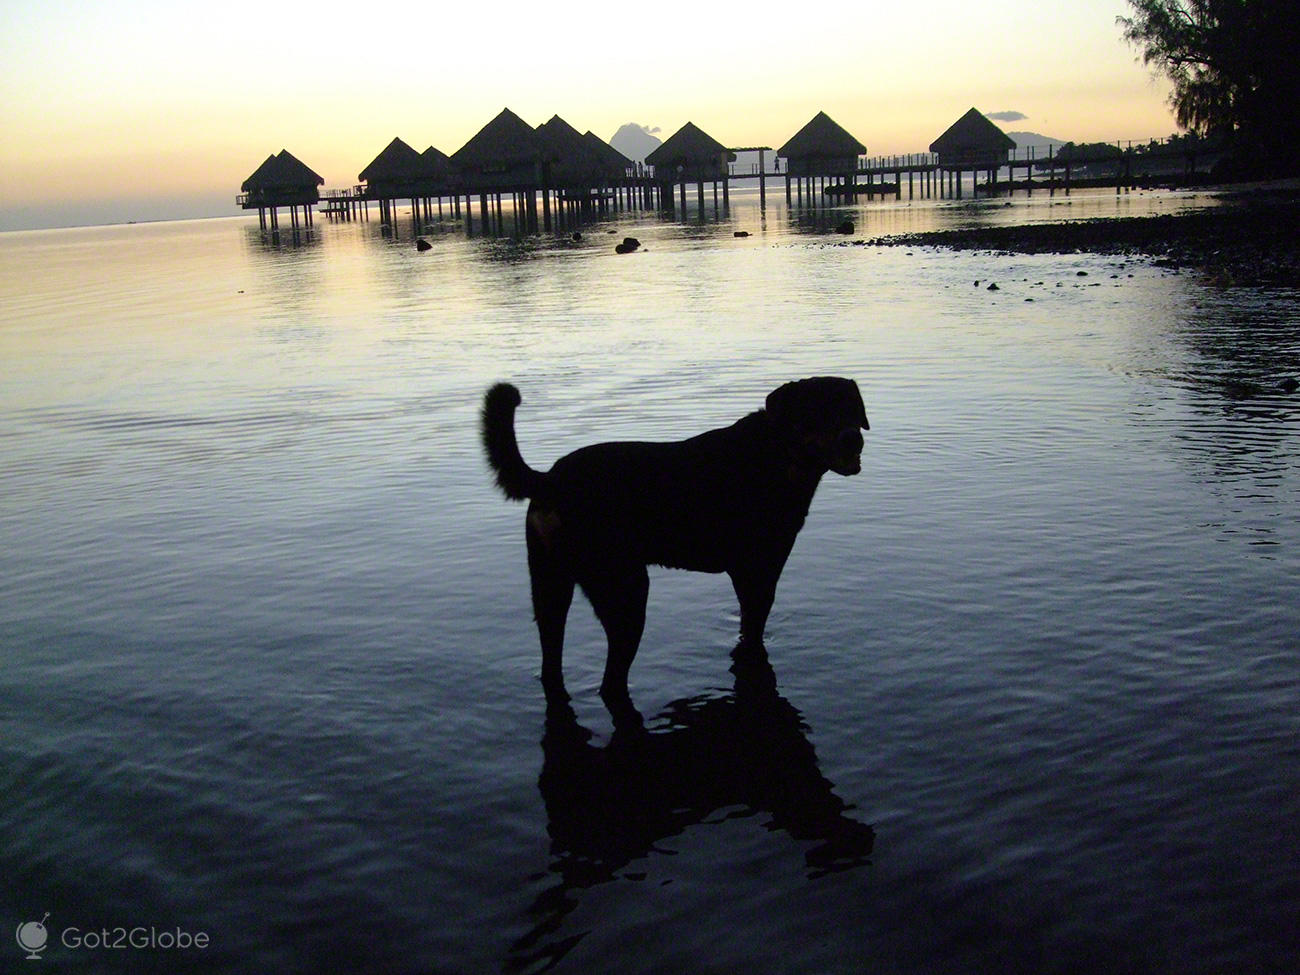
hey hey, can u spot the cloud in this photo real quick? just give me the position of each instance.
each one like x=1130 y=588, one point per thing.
x=1012 y=116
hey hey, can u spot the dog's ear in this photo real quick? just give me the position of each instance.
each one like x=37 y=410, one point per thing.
x=862 y=408
x=780 y=402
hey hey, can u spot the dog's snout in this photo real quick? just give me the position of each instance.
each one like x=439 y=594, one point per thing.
x=850 y=440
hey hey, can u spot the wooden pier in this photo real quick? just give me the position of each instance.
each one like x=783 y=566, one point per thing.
x=556 y=178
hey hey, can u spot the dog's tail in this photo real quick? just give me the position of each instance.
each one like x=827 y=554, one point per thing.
x=514 y=477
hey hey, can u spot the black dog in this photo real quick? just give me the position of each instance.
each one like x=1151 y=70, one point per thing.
x=731 y=500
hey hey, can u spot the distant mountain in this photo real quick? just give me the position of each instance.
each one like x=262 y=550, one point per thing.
x=1040 y=143
x=636 y=141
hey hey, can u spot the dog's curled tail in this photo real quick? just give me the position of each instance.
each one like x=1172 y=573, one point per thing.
x=514 y=477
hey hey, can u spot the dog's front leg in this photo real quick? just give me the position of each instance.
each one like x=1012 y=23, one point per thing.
x=755 y=589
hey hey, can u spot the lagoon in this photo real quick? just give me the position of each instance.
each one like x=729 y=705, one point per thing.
x=270 y=672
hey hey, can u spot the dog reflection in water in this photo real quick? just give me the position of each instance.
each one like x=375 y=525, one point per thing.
x=730 y=500
x=612 y=807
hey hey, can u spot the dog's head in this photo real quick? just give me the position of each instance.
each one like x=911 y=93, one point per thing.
x=821 y=418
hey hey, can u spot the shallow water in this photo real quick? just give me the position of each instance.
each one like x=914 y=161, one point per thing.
x=270 y=673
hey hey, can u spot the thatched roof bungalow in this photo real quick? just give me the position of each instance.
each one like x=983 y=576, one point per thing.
x=690 y=155
x=567 y=155
x=613 y=164
x=972 y=142
x=506 y=154
x=282 y=180
x=259 y=177
x=437 y=166
x=397 y=173
x=439 y=177
x=822 y=148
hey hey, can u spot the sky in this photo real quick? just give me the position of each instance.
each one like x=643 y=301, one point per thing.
x=143 y=110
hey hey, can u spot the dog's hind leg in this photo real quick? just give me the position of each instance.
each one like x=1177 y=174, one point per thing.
x=552 y=585
x=618 y=598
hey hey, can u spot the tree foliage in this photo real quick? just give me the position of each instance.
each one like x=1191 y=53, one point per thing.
x=1233 y=64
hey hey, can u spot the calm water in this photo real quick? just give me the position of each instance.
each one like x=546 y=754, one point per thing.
x=269 y=672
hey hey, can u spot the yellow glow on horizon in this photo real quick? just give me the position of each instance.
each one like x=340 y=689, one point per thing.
x=146 y=96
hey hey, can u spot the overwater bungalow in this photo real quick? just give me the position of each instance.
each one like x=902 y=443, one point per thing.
x=689 y=155
x=397 y=173
x=282 y=180
x=613 y=164
x=569 y=160
x=394 y=174
x=616 y=171
x=584 y=172
x=401 y=173
x=972 y=143
x=438 y=180
x=821 y=148
x=437 y=166
x=505 y=155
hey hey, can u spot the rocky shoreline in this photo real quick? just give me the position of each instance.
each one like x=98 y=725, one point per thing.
x=1251 y=239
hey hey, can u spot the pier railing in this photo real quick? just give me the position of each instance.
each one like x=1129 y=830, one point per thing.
x=1045 y=154
x=915 y=160
x=1056 y=152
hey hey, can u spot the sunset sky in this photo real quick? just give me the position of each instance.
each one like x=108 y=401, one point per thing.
x=147 y=110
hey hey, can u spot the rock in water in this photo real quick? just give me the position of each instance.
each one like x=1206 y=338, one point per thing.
x=423 y=245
